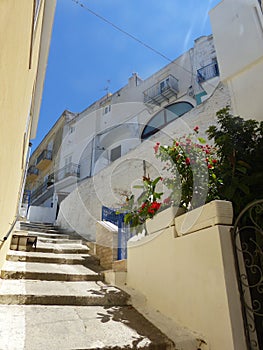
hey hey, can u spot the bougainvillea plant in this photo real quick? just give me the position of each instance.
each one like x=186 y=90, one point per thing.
x=190 y=163
x=146 y=206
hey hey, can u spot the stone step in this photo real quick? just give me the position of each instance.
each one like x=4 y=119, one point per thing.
x=24 y=292
x=42 y=234
x=40 y=228
x=67 y=248
x=37 y=224
x=59 y=240
x=55 y=258
x=39 y=327
x=48 y=272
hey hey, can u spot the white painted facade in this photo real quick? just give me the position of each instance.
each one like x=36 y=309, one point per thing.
x=113 y=126
x=239 y=48
x=82 y=208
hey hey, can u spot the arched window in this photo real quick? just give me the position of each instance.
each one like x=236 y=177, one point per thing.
x=164 y=117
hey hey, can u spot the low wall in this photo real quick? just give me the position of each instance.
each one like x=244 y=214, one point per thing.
x=106 y=243
x=41 y=214
x=192 y=280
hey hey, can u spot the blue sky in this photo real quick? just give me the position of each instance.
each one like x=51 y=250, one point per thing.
x=87 y=55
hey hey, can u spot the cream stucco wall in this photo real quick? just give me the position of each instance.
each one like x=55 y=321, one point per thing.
x=239 y=49
x=191 y=279
x=18 y=79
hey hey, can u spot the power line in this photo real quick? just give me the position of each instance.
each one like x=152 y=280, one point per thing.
x=131 y=36
x=122 y=30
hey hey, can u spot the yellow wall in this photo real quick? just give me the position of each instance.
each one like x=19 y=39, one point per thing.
x=191 y=279
x=17 y=85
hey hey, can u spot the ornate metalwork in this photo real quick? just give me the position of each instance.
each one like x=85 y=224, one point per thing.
x=248 y=250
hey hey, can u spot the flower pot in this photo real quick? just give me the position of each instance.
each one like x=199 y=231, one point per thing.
x=217 y=212
x=163 y=219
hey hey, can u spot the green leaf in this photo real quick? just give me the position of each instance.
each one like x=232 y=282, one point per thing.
x=201 y=140
x=244 y=188
x=242 y=169
x=154 y=183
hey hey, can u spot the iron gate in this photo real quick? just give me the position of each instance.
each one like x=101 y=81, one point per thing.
x=247 y=237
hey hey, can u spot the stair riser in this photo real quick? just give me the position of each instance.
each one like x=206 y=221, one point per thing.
x=41 y=230
x=63 y=300
x=48 y=276
x=61 y=251
x=48 y=235
x=59 y=241
x=90 y=260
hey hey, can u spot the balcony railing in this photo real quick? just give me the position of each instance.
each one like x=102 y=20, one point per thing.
x=208 y=72
x=70 y=169
x=161 y=91
x=32 y=172
x=44 y=159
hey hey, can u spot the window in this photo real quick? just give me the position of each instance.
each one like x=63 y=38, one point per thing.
x=164 y=85
x=115 y=153
x=71 y=129
x=164 y=117
x=107 y=109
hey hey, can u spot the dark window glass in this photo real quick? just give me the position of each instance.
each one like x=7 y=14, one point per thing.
x=166 y=116
x=115 y=153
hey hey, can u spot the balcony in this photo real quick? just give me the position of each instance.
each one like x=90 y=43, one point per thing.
x=32 y=173
x=162 y=91
x=70 y=169
x=44 y=159
x=208 y=72
x=60 y=179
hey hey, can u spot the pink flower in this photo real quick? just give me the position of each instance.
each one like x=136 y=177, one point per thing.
x=167 y=200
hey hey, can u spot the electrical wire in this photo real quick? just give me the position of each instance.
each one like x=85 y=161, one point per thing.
x=131 y=36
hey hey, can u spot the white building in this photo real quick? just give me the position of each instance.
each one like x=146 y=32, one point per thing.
x=119 y=122
x=239 y=47
x=102 y=138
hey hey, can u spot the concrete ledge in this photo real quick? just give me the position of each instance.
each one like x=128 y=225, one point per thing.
x=211 y=214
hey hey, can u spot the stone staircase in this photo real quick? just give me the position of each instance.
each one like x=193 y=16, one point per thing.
x=54 y=297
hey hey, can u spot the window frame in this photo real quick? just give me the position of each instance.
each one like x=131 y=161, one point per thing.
x=145 y=136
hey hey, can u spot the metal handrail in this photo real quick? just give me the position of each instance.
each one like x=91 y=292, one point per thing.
x=10 y=230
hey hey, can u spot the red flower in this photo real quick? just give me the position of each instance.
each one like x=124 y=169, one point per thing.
x=177 y=144
x=154 y=207
x=210 y=166
x=196 y=128
x=187 y=161
x=214 y=161
x=156 y=147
